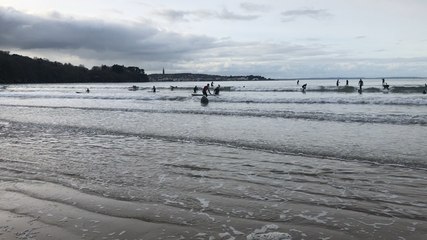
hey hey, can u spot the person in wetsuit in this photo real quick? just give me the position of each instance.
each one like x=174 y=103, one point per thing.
x=206 y=90
x=216 y=90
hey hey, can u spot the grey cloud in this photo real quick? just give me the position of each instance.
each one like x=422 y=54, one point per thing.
x=174 y=15
x=143 y=42
x=226 y=14
x=143 y=45
x=292 y=15
x=254 y=7
x=180 y=15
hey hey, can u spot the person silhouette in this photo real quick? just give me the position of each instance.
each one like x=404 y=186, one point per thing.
x=206 y=90
x=360 y=86
x=216 y=90
x=386 y=86
x=303 y=87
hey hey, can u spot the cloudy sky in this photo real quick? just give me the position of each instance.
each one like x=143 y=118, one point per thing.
x=273 y=38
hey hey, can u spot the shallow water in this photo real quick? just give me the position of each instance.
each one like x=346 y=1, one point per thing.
x=263 y=161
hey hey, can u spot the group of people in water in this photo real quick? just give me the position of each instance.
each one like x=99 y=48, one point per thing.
x=205 y=89
x=385 y=85
x=304 y=86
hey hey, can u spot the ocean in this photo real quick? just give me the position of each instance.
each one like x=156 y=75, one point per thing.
x=263 y=160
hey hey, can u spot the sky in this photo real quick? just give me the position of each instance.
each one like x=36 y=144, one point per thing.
x=272 y=38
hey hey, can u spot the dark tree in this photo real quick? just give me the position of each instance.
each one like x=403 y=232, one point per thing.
x=19 y=69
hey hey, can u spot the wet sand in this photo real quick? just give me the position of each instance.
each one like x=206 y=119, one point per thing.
x=32 y=209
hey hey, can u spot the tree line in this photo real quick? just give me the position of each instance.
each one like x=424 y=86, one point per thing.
x=15 y=69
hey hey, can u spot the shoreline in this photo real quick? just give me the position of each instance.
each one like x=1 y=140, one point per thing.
x=43 y=210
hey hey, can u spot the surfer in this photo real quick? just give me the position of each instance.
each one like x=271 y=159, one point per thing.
x=346 y=82
x=297 y=82
x=154 y=88
x=87 y=90
x=216 y=90
x=195 y=89
x=206 y=90
x=338 y=82
x=385 y=86
x=360 y=85
x=304 y=86
x=211 y=84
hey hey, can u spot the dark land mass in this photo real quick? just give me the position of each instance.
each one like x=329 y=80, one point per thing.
x=16 y=69
x=177 y=77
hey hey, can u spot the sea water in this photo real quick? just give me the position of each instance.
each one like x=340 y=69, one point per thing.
x=263 y=160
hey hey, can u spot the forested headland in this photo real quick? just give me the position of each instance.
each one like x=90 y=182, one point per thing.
x=16 y=69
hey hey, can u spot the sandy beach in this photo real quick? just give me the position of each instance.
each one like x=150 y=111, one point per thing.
x=302 y=200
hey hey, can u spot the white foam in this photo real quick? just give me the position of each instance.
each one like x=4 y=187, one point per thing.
x=264 y=234
x=203 y=202
x=314 y=218
x=269 y=236
x=226 y=236
x=236 y=232
x=207 y=215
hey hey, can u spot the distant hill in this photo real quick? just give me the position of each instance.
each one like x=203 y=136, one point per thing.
x=177 y=77
x=16 y=69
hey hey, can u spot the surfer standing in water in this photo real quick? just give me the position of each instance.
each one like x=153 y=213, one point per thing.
x=206 y=90
x=216 y=90
x=360 y=85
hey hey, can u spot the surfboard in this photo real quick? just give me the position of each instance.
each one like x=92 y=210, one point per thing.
x=197 y=94
x=134 y=88
x=204 y=100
